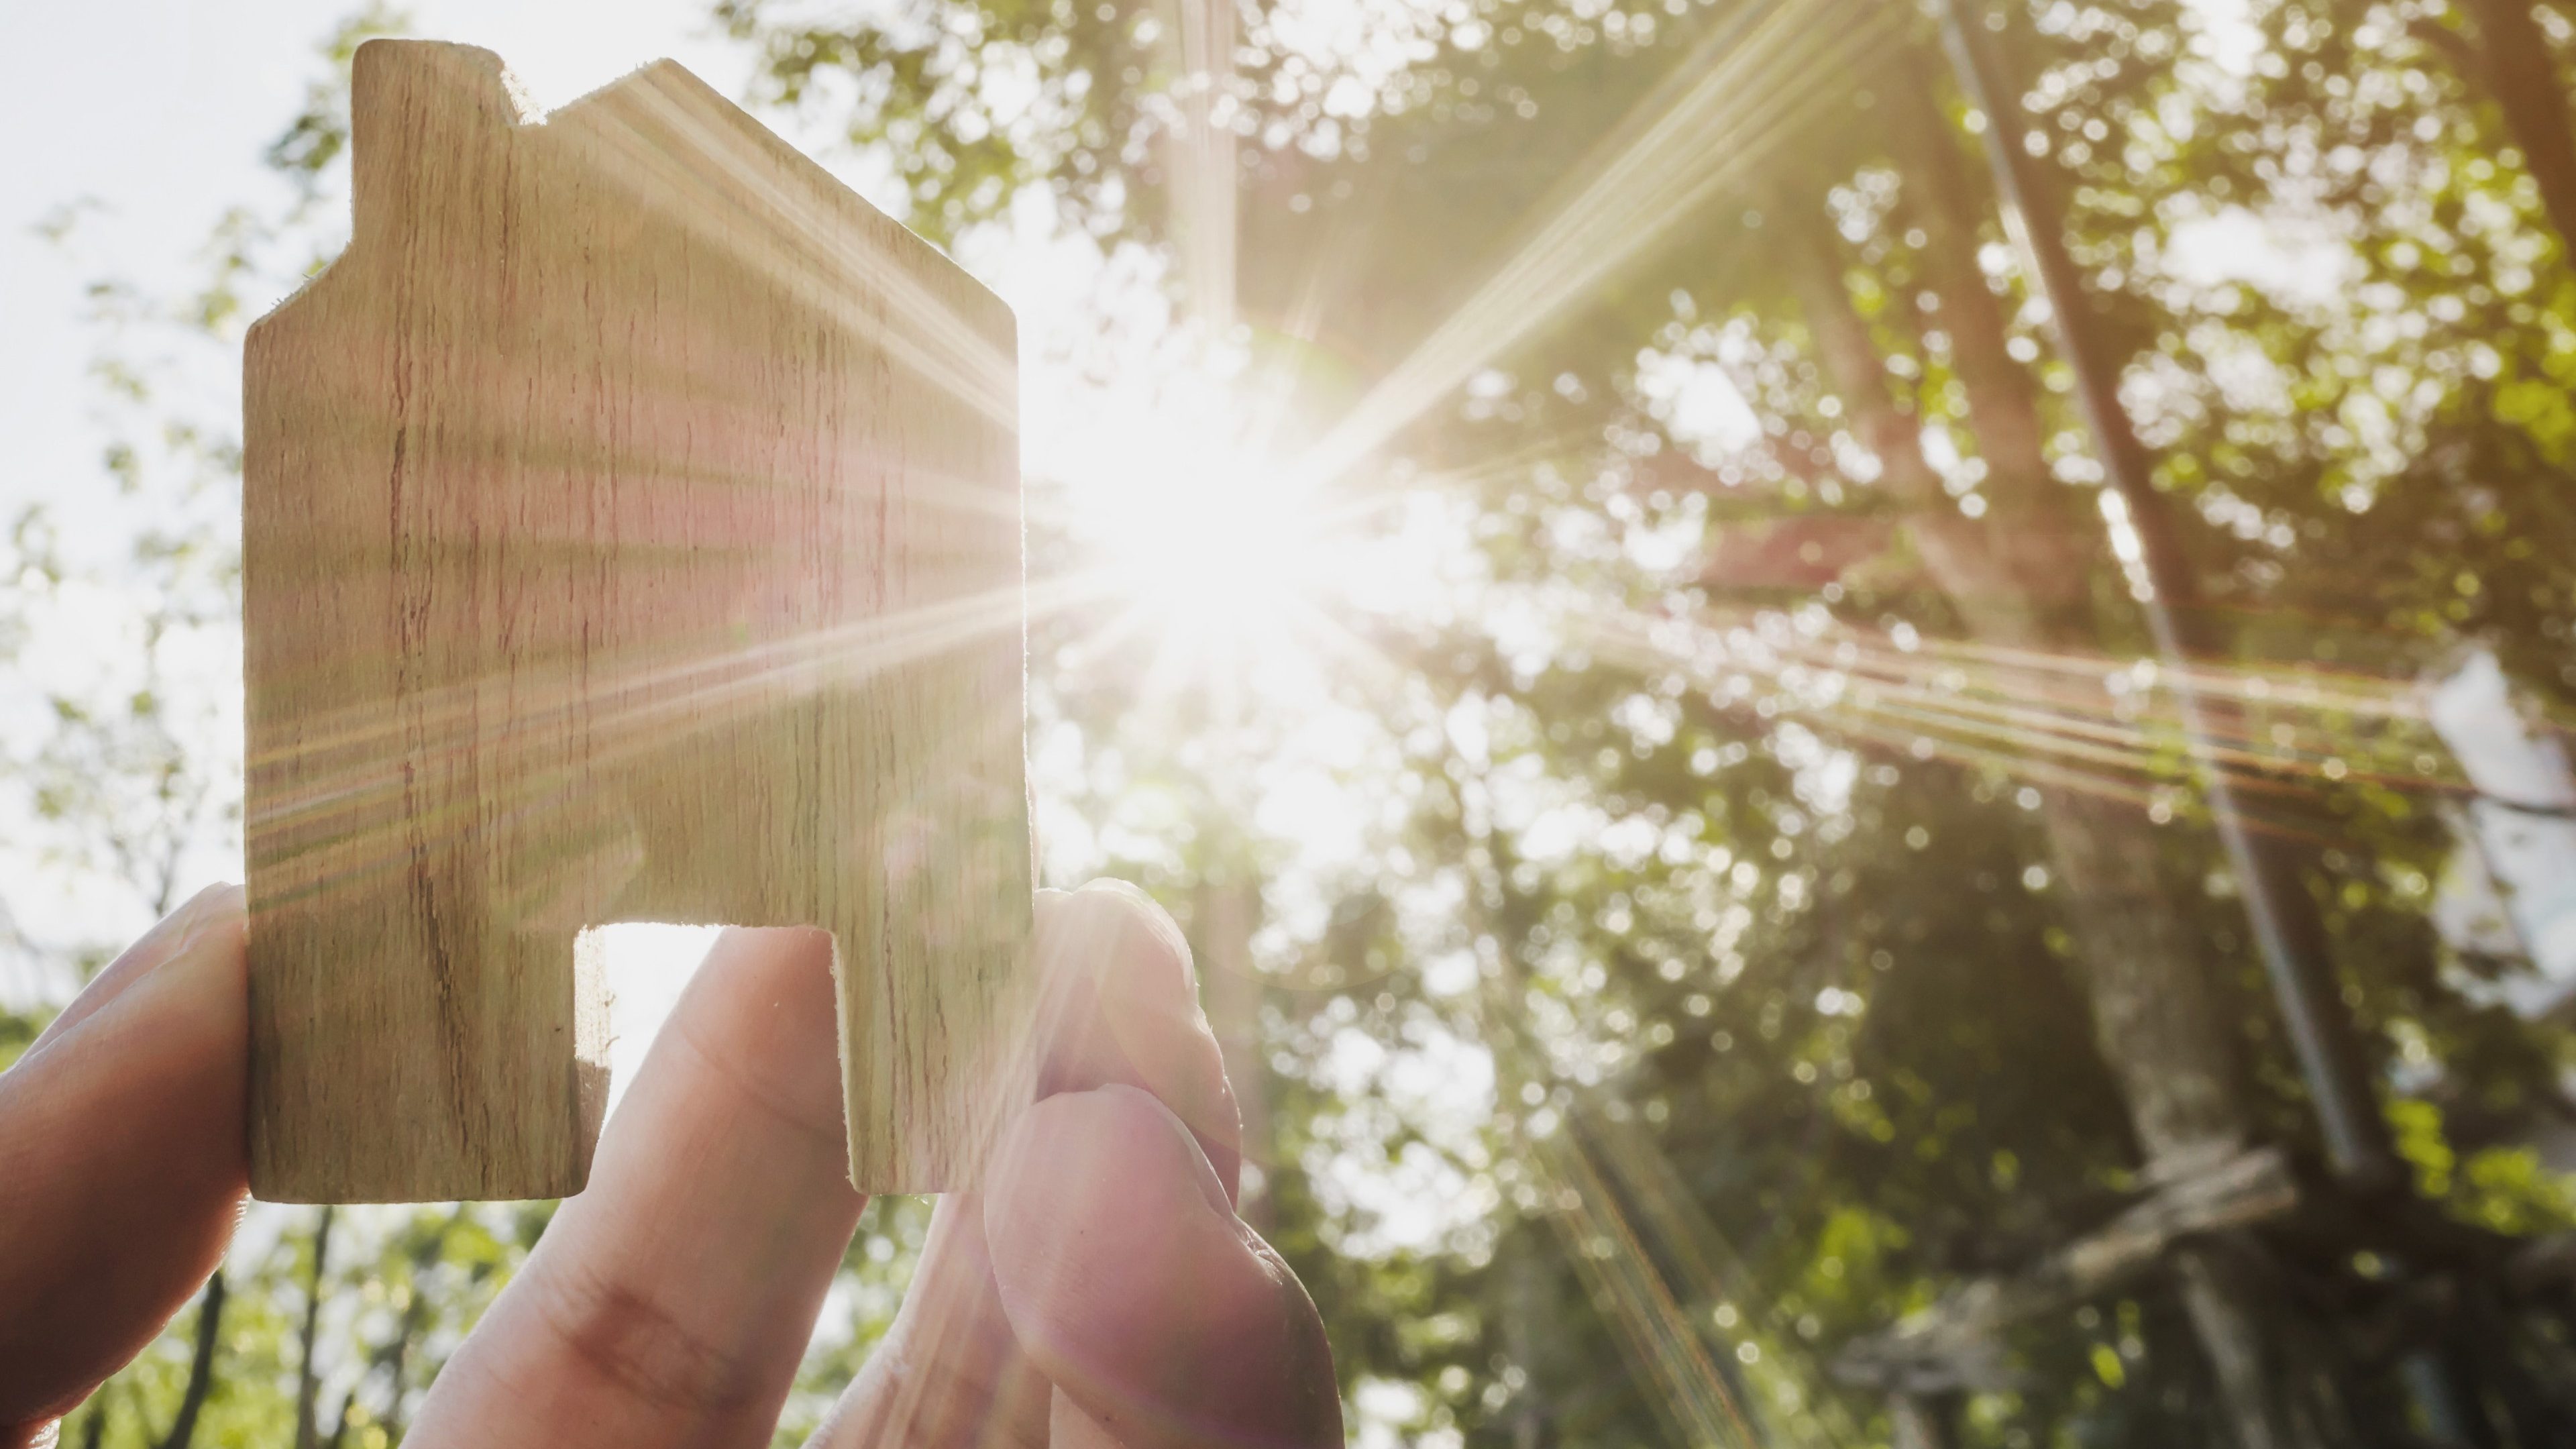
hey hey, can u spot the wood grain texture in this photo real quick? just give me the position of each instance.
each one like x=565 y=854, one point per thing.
x=631 y=532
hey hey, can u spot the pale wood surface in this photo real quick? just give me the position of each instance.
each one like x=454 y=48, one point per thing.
x=631 y=532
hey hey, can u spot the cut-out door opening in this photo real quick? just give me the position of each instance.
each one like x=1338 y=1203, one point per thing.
x=647 y=965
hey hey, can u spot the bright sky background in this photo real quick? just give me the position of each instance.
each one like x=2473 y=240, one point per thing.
x=159 y=109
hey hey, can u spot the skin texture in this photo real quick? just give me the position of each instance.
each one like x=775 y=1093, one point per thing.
x=1098 y=1291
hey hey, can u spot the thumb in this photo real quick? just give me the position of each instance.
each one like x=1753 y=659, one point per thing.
x=1118 y=1004
x=1131 y=1284
x=1122 y=1005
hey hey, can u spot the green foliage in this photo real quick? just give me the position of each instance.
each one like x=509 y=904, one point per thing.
x=1850 y=1012
x=1719 y=911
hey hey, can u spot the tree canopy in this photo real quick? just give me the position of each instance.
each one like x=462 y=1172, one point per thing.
x=1784 y=896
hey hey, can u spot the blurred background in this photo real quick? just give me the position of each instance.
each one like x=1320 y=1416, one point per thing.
x=1859 y=706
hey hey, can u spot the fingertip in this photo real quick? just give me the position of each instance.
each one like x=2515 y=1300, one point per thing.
x=1068 y=1427
x=208 y=932
x=758 y=1020
x=226 y=902
x=1130 y=1282
x=1125 y=994
x=673 y=1298
x=1070 y=1150
x=1087 y=1197
x=1114 y=920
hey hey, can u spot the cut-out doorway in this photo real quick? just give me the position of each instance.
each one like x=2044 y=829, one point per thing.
x=648 y=965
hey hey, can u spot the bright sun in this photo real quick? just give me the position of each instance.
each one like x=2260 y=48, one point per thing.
x=1220 y=559
x=1215 y=541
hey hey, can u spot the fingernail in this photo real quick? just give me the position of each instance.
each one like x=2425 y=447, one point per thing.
x=170 y=935
x=213 y=911
x=171 y=938
x=203 y=909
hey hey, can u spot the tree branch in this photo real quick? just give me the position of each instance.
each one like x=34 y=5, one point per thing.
x=1956 y=1343
x=307 y=1381
x=201 y=1370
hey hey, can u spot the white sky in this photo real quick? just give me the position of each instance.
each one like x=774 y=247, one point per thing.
x=160 y=108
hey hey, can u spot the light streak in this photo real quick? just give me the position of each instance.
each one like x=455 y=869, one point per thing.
x=346 y=783
x=2027 y=713
x=1722 y=111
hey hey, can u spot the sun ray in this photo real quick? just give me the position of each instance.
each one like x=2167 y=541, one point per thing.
x=349 y=797
x=1940 y=702
x=1201 y=151
x=1723 y=109
x=1625 y=1283
x=1707 y=1267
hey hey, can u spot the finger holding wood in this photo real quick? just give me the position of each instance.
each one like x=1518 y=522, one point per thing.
x=1036 y=1353
x=671 y=1302
x=121 y=1129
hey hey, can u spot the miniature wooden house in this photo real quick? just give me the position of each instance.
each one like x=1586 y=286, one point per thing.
x=631 y=532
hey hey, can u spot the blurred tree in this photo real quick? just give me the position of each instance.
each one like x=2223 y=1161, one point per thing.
x=1785 y=878
x=1848 y=290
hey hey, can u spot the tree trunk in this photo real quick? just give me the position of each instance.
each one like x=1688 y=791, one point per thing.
x=1921 y=1421
x=308 y=1381
x=1526 y=1285
x=201 y=1367
x=1944 y=196
x=2218 y=1293
x=2050 y=534
x=2514 y=65
x=1957 y=552
x=2157 y=1022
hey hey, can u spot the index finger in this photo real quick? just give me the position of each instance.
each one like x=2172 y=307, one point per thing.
x=670 y=1302
x=122 y=1131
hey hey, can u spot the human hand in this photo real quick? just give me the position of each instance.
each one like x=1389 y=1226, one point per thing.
x=1098 y=1290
